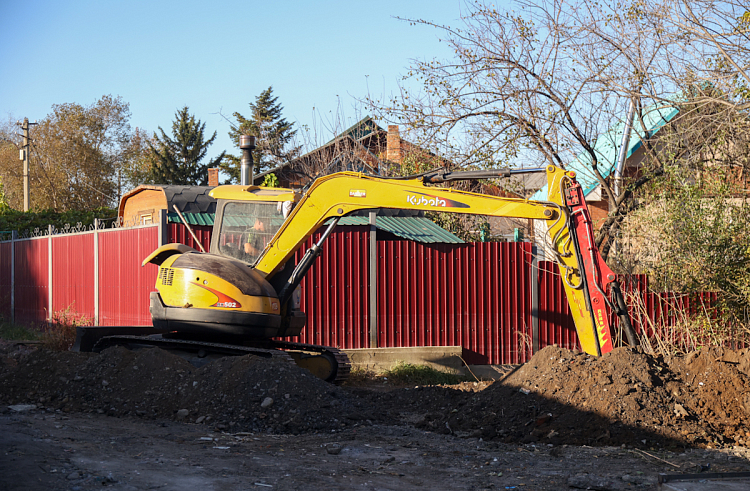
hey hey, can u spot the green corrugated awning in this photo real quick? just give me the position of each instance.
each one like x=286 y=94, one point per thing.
x=418 y=229
x=206 y=219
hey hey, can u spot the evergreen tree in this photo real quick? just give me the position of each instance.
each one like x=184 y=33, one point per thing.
x=273 y=136
x=179 y=158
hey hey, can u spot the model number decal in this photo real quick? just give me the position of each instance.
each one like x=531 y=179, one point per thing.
x=223 y=300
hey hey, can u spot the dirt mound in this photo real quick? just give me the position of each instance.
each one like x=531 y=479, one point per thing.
x=620 y=398
x=559 y=397
x=238 y=393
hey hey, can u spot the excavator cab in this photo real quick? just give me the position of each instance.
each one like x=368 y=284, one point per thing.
x=246 y=228
x=247 y=219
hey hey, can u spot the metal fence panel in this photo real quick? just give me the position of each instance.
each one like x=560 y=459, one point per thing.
x=556 y=326
x=73 y=274
x=334 y=292
x=5 y=279
x=473 y=295
x=32 y=281
x=179 y=234
x=124 y=285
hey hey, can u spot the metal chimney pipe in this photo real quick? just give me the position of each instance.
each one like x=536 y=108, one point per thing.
x=624 y=144
x=247 y=144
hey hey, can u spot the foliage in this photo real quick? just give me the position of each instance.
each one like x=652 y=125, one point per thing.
x=19 y=221
x=694 y=236
x=178 y=159
x=76 y=152
x=138 y=160
x=271 y=181
x=15 y=332
x=4 y=206
x=274 y=136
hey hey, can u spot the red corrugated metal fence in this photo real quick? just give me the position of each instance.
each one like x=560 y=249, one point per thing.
x=124 y=285
x=478 y=295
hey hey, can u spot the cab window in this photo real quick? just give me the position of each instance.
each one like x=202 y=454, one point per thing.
x=247 y=228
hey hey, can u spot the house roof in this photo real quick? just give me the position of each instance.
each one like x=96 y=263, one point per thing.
x=607 y=146
x=359 y=130
x=362 y=129
x=418 y=229
x=188 y=199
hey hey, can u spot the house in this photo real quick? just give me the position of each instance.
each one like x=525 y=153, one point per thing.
x=363 y=147
x=142 y=205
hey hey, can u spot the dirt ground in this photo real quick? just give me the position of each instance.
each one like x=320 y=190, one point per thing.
x=150 y=420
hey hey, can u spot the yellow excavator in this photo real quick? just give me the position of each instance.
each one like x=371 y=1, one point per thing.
x=243 y=294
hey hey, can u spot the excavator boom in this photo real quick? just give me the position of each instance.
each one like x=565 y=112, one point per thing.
x=585 y=275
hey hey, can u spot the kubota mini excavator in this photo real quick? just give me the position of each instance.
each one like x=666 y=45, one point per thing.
x=244 y=292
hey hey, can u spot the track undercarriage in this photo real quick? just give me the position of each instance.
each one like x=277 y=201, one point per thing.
x=329 y=364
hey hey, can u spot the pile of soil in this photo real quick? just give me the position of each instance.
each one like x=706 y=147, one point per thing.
x=624 y=397
x=558 y=397
x=233 y=393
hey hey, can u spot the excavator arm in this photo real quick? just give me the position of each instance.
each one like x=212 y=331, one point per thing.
x=586 y=277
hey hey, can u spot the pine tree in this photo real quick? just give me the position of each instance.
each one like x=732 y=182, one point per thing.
x=179 y=158
x=273 y=135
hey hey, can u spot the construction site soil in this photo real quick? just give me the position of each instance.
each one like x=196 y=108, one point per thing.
x=644 y=414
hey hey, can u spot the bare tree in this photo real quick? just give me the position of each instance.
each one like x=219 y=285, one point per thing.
x=545 y=81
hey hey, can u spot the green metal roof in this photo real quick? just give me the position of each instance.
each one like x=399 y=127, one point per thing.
x=206 y=219
x=418 y=229
x=607 y=146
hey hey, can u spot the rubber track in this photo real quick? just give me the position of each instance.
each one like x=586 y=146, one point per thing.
x=274 y=350
x=226 y=349
x=344 y=366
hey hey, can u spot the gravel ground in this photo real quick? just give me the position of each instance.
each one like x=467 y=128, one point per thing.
x=150 y=420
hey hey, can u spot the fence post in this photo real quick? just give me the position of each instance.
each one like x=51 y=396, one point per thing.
x=373 y=281
x=50 y=229
x=163 y=228
x=13 y=237
x=534 y=301
x=96 y=271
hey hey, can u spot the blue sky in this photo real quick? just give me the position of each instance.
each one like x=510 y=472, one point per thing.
x=211 y=56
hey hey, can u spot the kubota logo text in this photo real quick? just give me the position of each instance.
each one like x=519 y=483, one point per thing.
x=425 y=201
x=434 y=201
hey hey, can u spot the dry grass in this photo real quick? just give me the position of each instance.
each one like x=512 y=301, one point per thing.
x=682 y=331
x=405 y=374
x=60 y=333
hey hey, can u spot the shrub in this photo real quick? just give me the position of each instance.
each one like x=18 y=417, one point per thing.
x=60 y=333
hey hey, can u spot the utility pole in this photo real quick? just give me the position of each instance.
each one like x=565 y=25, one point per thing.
x=26 y=157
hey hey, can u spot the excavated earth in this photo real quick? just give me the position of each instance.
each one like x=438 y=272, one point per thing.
x=559 y=399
